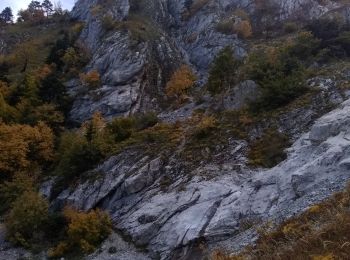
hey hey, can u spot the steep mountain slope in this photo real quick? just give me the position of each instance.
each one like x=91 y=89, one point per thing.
x=258 y=133
x=155 y=199
x=156 y=36
x=215 y=209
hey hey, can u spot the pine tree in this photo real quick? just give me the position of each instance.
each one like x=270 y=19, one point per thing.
x=181 y=81
x=48 y=7
x=34 y=6
x=6 y=15
x=222 y=74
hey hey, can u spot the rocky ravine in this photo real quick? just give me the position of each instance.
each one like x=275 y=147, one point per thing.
x=169 y=221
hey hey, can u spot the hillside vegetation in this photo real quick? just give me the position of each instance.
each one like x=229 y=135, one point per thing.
x=42 y=51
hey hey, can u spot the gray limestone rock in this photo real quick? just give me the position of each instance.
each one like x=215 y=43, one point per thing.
x=168 y=220
x=138 y=69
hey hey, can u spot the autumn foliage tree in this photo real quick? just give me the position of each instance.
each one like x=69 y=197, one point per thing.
x=180 y=83
x=91 y=79
x=24 y=148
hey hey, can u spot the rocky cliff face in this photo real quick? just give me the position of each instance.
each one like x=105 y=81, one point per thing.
x=169 y=220
x=214 y=201
x=134 y=68
x=218 y=200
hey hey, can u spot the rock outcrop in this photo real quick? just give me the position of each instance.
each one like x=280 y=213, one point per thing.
x=169 y=219
x=135 y=65
x=214 y=201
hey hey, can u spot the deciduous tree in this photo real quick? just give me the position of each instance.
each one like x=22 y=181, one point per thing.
x=180 y=82
x=23 y=147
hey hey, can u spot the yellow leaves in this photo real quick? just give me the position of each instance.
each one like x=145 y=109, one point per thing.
x=71 y=57
x=23 y=147
x=181 y=81
x=26 y=55
x=314 y=209
x=290 y=229
x=91 y=79
x=93 y=129
x=59 y=250
x=205 y=127
x=323 y=257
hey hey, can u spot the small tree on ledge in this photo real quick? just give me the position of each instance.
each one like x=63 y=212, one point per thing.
x=180 y=83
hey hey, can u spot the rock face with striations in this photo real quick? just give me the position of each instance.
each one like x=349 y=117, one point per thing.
x=169 y=220
x=212 y=201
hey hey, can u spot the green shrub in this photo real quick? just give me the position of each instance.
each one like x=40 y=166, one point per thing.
x=222 y=74
x=26 y=221
x=144 y=121
x=11 y=190
x=327 y=28
x=76 y=156
x=122 y=128
x=268 y=150
x=333 y=34
x=279 y=75
x=304 y=47
x=108 y=23
x=344 y=41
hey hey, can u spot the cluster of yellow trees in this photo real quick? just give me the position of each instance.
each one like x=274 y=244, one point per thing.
x=33 y=107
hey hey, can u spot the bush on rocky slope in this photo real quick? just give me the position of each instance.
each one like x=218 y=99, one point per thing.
x=25 y=221
x=84 y=233
x=223 y=72
x=24 y=148
x=11 y=189
x=279 y=74
x=182 y=80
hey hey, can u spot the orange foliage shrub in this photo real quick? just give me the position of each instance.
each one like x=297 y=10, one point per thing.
x=181 y=81
x=205 y=127
x=91 y=79
x=23 y=147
